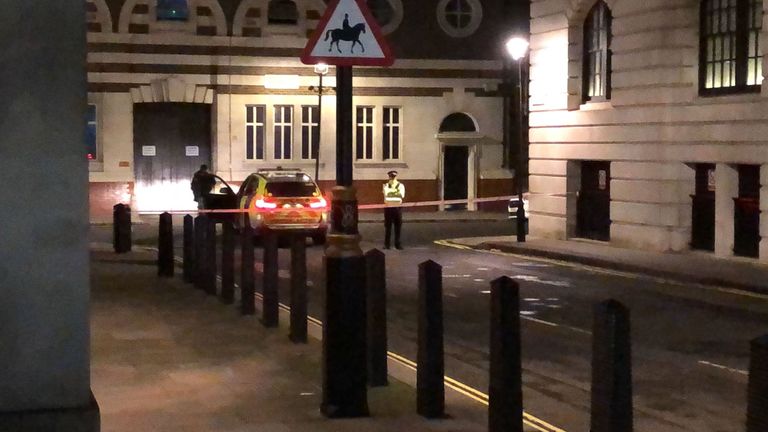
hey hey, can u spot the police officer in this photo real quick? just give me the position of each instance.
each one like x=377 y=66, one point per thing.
x=394 y=192
x=202 y=183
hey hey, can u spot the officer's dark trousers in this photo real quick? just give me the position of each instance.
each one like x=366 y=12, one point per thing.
x=393 y=216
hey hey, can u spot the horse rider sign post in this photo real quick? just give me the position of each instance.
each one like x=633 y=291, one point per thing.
x=347 y=35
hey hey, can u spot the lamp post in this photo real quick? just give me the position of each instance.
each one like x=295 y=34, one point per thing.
x=320 y=69
x=517 y=47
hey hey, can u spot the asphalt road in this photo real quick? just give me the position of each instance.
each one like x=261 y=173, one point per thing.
x=690 y=345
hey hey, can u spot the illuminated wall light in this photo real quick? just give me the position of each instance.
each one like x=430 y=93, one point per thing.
x=281 y=82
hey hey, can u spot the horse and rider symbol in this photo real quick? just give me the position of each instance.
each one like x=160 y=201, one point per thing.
x=346 y=33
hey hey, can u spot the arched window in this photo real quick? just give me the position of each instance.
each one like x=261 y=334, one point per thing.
x=172 y=10
x=597 y=54
x=459 y=18
x=730 y=60
x=457 y=122
x=282 y=12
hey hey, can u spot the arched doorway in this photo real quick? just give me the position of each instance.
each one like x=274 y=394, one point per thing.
x=458 y=136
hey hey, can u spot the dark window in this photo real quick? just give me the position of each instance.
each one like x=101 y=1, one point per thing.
x=364 y=135
x=282 y=12
x=254 y=131
x=458 y=13
x=283 y=131
x=90 y=132
x=391 y=133
x=172 y=10
x=291 y=189
x=729 y=50
x=381 y=10
x=597 y=53
x=310 y=132
x=457 y=122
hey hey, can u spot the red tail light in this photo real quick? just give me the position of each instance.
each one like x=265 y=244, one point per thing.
x=264 y=204
x=318 y=203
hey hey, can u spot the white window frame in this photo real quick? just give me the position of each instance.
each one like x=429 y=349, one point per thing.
x=392 y=126
x=476 y=17
x=369 y=127
x=310 y=123
x=279 y=129
x=256 y=126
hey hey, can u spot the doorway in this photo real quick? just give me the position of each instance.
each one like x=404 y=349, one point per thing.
x=456 y=175
x=171 y=141
x=746 y=209
x=703 y=208
x=593 y=205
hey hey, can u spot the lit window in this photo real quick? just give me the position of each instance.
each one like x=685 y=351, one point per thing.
x=90 y=132
x=310 y=132
x=283 y=131
x=597 y=54
x=254 y=132
x=459 y=18
x=730 y=60
x=364 y=137
x=172 y=10
x=391 y=133
x=282 y=12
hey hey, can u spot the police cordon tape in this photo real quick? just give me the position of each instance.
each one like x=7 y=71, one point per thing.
x=360 y=207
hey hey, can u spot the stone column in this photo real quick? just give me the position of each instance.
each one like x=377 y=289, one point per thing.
x=44 y=262
x=726 y=188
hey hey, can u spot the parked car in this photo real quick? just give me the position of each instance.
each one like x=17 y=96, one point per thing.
x=280 y=199
x=514 y=203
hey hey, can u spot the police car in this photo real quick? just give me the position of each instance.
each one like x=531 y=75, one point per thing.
x=284 y=200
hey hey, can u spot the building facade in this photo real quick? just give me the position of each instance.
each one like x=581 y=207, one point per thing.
x=648 y=124
x=173 y=84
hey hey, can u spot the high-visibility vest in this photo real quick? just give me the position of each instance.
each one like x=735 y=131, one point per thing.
x=394 y=193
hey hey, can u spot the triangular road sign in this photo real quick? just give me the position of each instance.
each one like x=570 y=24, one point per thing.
x=347 y=35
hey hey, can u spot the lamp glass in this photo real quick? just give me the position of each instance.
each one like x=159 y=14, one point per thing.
x=517 y=47
x=321 y=68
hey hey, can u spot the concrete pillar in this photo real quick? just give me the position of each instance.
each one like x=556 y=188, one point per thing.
x=726 y=188
x=44 y=263
x=764 y=213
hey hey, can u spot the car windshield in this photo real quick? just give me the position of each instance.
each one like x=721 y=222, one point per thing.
x=291 y=189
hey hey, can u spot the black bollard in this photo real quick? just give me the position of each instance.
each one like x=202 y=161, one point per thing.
x=376 y=286
x=228 y=263
x=298 y=331
x=198 y=272
x=757 y=388
x=247 y=288
x=505 y=394
x=269 y=291
x=121 y=228
x=189 y=248
x=165 y=264
x=611 y=369
x=209 y=279
x=430 y=389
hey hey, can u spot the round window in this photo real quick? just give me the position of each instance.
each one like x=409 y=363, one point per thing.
x=459 y=18
x=388 y=13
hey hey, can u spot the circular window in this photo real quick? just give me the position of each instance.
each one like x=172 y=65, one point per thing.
x=388 y=13
x=459 y=18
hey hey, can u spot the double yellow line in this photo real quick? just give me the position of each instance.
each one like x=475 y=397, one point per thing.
x=478 y=396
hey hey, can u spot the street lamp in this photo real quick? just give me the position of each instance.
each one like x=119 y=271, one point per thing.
x=517 y=47
x=320 y=69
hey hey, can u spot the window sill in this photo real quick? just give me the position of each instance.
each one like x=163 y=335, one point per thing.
x=372 y=164
x=735 y=97
x=595 y=106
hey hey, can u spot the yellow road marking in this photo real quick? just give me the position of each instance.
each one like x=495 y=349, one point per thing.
x=624 y=274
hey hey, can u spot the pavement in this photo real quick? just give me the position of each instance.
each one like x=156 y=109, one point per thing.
x=167 y=357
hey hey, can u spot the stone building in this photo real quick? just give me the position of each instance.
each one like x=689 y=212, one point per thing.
x=176 y=83
x=648 y=124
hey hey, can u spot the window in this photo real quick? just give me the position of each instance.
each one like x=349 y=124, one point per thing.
x=597 y=54
x=364 y=138
x=283 y=131
x=254 y=132
x=730 y=60
x=90 y=132
x=457 y=122
x=310 y=132
x=459 y=18
x=282 y=12
x=381 y=10
x=391 y=133
x=172 y=10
